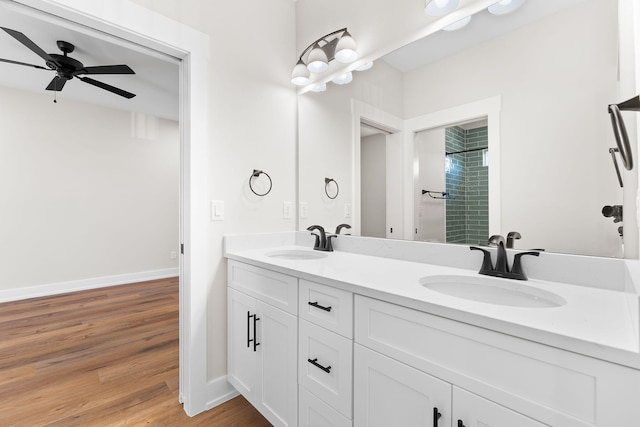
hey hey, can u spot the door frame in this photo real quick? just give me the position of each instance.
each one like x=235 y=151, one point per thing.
x=134 y=23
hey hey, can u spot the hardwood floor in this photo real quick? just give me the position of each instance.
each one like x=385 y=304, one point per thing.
x=104 y=357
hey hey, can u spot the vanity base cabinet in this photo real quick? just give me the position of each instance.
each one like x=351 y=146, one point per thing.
x=554 y=387
x=262 y=356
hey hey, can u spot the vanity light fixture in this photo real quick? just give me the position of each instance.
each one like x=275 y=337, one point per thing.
x=338 y=45
x=365 y=66
x=440 y=7
x=504 y=6
x=319 y=88
x=343 y=79
x=458 y=24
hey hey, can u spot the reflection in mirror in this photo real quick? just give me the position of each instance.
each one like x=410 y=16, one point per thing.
x=552 y=70
x=452 y=192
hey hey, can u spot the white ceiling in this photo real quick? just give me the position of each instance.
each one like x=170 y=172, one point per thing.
x=155 y=82
x=483 y=26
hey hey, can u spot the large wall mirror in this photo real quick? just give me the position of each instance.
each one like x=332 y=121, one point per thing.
x=499 y=127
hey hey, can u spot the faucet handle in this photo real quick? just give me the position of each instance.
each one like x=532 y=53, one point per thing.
x=487 y=266
x=516 y=269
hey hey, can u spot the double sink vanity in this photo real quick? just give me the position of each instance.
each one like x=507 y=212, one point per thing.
x=383 y=333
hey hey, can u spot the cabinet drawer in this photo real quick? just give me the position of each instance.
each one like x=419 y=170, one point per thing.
x=325 y=365
x=314 y=412
x=274 y=288
x=326 y=306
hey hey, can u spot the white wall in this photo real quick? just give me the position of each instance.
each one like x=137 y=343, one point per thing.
x=430 y=213
x=82 y=197
x=553 y=114
x=252 y=125
x=373 y=185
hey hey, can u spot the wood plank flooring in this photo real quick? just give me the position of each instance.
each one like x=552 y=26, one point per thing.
x=104 y=357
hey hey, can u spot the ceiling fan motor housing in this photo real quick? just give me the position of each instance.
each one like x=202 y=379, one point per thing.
x=64 y=65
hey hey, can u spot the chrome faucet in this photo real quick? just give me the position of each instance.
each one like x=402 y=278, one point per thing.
x=323 y=241
x=501 y=268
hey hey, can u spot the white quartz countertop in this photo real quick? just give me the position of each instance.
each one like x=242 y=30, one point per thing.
x=595 y=322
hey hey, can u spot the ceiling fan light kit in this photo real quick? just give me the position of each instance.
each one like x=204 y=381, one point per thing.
x=67 y=68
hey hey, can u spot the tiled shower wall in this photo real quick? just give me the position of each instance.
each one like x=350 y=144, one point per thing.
x=467 y=181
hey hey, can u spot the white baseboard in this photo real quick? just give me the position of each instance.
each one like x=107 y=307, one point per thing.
x=219 y=391
x=84 y=284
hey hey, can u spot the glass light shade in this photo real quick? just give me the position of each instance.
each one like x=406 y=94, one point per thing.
x=365 y=66
x=317 y=62
x=346 y=49
x=319 y=88
x=440 y=7
x=458 y=24
x=343 y=79
x=504 y=6
x=300 y=74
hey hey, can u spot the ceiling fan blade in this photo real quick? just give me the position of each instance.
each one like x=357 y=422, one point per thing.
x=57 y=84
x=106 y=69
x=24 y=63
x=110 y=88
x=28 y=43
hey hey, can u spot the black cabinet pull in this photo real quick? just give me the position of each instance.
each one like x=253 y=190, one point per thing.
x=249 y=339
x=436 y=417
x=315 y=363
x=255 y=332
x=316 y=305
x=460 y=423
x=249 y=316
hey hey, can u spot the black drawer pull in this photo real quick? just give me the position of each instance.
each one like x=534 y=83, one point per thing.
x=316 y=305
x=315 y=363
x=436 y=417
x=460 y=423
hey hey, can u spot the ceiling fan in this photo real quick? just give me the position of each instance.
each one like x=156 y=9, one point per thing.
x=67 y=67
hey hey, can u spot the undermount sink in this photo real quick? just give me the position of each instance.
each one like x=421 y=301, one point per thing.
x=493 y=290
x=297 y=254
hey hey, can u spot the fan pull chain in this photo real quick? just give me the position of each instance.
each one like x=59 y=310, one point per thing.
x=55 y=92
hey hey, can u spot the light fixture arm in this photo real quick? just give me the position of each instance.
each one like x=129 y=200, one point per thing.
x=329 y=47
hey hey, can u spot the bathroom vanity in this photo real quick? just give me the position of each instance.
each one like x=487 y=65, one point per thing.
x=368 y=336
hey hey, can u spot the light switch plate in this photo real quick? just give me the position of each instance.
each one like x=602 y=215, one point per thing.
x=217 y=210
x=304 y=210
x=287 y=210
x=347 y=210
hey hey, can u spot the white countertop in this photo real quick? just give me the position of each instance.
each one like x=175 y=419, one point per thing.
x=595 y=322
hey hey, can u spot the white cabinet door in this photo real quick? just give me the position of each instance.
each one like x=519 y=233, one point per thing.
x=472 y=410
x=262 y=357
x=242 y=362
x=390 y=393
x=278 y=348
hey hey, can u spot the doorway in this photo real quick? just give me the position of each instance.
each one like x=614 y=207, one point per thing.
x=140 y=26
x=452 y=193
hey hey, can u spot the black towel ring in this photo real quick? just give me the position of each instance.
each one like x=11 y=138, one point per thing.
x=326 y=187
x=256 y=173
